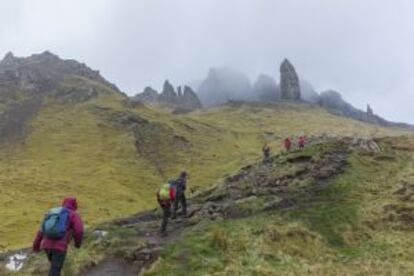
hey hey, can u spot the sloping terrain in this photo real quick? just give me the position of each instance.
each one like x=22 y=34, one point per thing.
x=64 y=130
x=341 y=206
x=89 y=148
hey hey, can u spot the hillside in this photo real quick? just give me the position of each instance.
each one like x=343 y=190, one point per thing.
x=341 y=206
x=65 y=130
x=91 y=148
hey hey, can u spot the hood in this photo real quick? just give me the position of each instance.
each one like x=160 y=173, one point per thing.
x=70 y=203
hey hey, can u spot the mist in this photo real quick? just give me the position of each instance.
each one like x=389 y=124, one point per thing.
x=363 y=49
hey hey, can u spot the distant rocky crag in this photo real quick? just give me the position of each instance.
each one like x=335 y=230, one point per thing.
x=182 y=100
x=41 y=73
x=26 y=82
x=224 y=85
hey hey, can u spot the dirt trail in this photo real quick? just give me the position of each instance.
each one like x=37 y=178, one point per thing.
x=286 y=181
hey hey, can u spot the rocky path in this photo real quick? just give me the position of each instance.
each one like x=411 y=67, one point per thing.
x=286 y=181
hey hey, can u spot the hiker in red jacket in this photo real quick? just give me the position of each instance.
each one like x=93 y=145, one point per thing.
x=301 y=142
x=165 y=198
x=56 y=248
x=287 y=143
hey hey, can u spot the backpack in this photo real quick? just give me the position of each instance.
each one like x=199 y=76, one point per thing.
x=164 y=192
x=55 y=223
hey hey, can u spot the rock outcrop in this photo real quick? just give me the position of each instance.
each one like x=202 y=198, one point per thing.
x=289 y=82
x=42 y=73
x=181 y=101
x=189 y=99
x=149 y=95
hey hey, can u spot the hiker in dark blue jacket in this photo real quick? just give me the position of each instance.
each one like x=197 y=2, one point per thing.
x=180 y=186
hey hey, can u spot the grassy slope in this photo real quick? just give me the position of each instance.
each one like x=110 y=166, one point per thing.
x=73 y=150
x=360 y=226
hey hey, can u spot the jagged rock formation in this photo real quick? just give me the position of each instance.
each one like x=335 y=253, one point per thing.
x=225 y=84
x=289 y=82
x=168 y=93
x=149 y=95
x=25 y=82
x=182 y=101
x=41 y=73
x=266 y=88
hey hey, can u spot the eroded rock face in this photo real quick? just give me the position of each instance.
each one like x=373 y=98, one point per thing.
x=289 y=82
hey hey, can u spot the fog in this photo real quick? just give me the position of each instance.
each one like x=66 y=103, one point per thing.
x=361 y=48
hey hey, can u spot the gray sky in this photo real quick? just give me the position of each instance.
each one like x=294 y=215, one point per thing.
x=362 y=48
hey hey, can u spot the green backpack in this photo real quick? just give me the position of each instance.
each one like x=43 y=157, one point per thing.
x=165 y=192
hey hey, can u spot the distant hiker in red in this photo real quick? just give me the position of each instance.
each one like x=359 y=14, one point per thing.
x=266 y=152
x=58 y=227
x=301 y=142
x=165 y=198
x=287 y=143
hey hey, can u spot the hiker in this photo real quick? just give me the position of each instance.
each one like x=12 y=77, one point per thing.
x=180 y=184
x=287 y=143
x=56 y=231
x=266 y=152
x=301 y=142
x=165 y=197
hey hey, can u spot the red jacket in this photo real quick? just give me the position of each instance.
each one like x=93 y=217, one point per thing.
x=74 y=228
x=287 y=143
x=301 y=141
x=171 y=199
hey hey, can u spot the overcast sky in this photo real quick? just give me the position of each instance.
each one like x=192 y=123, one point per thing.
x=362 y=48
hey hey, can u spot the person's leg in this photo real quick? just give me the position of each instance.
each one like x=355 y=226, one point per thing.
x=175 y=205
x=184 y=204
x=57 y=260
x=49 y=255
x=165 y=215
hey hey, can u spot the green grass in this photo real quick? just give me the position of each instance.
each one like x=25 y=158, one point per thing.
x=344 y=232
x=74 y=150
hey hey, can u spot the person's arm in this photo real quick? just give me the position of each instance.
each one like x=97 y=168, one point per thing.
x=158 y=197
x=38 y=241
x=77 y=225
